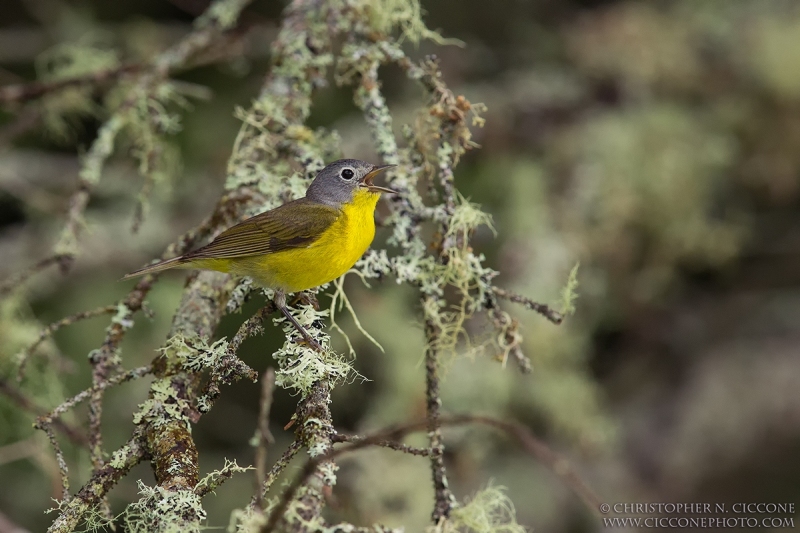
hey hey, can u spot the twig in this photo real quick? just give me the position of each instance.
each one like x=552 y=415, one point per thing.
x=105 y=359
x=62 y=463
x=230 y=367
x=136 y=373
x=212 y=481
x=529 y=442
x=509 y=337
x=264 y=437
x=22 y=401
x=445 y=501
x=537 y=448
x=399 y=446
x=550 y=314
x=17 y=280
x=279 y=466
x=55 y=326
x=98 y=486
x=23 y=92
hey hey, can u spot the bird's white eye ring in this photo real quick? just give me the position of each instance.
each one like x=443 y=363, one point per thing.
x=347 y=174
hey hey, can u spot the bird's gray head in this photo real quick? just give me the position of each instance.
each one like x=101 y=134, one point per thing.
x=337 y=183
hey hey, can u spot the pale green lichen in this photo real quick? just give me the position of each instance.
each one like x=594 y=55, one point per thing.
x=19 y=330
x=214 y=478
x=299 y=365
x=570 y=292
x=162 y=511
x=489 y=511
x=406 y=15
x=250 y=519
x=238 y=295
x=102 y=148
x=90 y=54
x=119 y=458
x=163 y=405
x=461 y=269
x=93 y=519
x=193 y=354
x=180 y=354
x=122 y=317
x=466 y=217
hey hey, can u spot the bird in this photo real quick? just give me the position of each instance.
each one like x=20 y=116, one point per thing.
x=300 y=245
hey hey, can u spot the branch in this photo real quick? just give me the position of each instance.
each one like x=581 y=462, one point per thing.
x=538 y=449
x=444 y=499
x=535 y=447
x=167 y=430
x=550 y=314
x=106 y=359
x=23 y=402
x=16 y=281
x=98 y=486
x=209 y=27
x=136 y=373
x=52 y=328
x=230 y=368
x=212 y=481
x=315 y=431
x=23 y=92
x=398 y=446
x=264 y=437
x=279 y=466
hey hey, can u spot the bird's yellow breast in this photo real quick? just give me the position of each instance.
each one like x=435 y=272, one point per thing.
x=327 y=258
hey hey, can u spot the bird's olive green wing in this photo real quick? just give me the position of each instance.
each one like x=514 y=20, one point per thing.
x=293 y=225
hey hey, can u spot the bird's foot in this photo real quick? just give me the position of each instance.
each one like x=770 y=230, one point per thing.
x=311 y=341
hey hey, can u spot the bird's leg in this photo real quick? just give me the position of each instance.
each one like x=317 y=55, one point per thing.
x=280 y=303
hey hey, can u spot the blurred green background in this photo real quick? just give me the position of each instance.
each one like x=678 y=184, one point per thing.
x=658 y=143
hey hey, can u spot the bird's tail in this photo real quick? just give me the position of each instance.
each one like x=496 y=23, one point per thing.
x=175 y=262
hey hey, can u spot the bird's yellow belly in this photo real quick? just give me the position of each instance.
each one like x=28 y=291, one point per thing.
x=327 y=258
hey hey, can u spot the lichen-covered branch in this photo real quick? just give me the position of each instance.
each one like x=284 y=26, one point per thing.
x=269 y=478
x=535 y=447
x=444 y=499
x=546 y=311
x=98 y=486
x=263 y=436
x=316 y=433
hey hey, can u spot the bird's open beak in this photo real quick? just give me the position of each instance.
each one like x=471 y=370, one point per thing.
x=367 y=183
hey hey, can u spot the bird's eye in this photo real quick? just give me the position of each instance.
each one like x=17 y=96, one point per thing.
x=347 y=174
